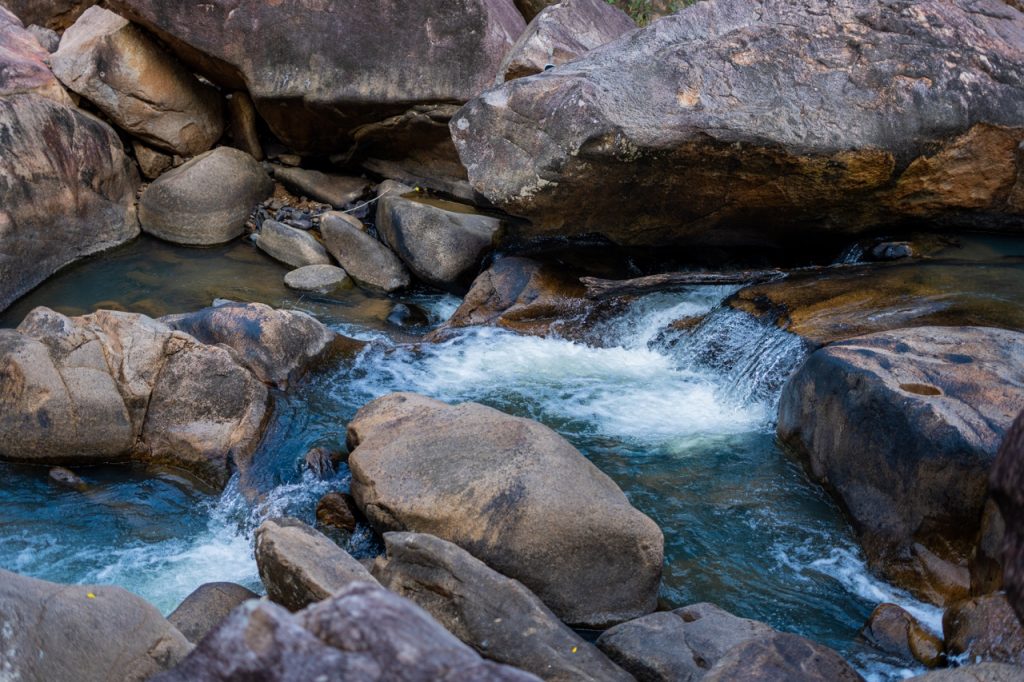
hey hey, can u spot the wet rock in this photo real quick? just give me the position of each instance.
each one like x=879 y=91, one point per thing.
x=206 y=200
x=408 y=315
x=51 y=14
x=495 y=615
x=848 y=302
x=369 y=262
x=141 y=88
x=314 y=93
x=561 y=33
x=317 y=278
x=242 y=125
x=82 y=632
x=47 y=37
x=362 y=634
x=514 y=494
x=321 y=461
x=781 y=656
x=337 y=510
x=985 y=629
x=118 y=386
x=207 y=607
x=336 y=190
x=277 y=346
x=893 y=630
x=903 y=428
x=67 y=478
x=441 y=242
x=635 y=140
x=1007 y=488
x=152 y=164
x=290 y=245
x=300 y=565
x=679 y=645
x=982 y=672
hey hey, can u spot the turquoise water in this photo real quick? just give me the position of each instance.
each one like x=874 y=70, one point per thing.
x=683 y=423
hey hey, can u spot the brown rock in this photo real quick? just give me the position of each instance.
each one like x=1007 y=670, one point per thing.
x=337 y=510
x=893 y=630
x=53 y=14
x=336 y=190
x=1007 y=486
x=781 y=656
x=207 y=607
x=986 y=565
x=152 y=163
x=242 y=124
x=985 y=629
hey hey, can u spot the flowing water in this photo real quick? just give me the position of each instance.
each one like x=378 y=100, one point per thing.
x=682 y=421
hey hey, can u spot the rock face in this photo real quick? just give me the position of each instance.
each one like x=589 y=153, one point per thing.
x=442 y=242
x=495 y=615
x=204 y=609
x=515 y=495
x=314 y=92
x=369 y=262
x=904 y=426
x=563 y=32
x=277 y=346
x=881 y=112
x=117 y=386
x=141 y=88
x=781 y=656
x=985 y=629
x=1007 y=487
x=206 y=200
x=290 y=245
x=24 y=61
x=82 y=632
x=679 y=645
x=300 y=565
x=53 y=14
x=362 y=634
x=892 y=629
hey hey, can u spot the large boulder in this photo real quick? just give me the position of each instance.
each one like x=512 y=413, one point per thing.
x=299 y=565
x=984 y=629
x=53 y=14
x=278 y=346
x=116 y=386
x=205 y=200
x=495 y=615
x=50 y=631
x=515 y=495
x=365 y=259
x=781 y=656
x=362 y=634
x=679 y=645
x=903 y=428
x=880 y=111
x=318 y=71
x=206 y=607
x=143 y=90
x=562 y=33
x=442 y=242
x=24 y=62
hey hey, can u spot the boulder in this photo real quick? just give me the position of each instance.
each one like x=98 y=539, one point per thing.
x=984 y=629
x=336 y=190
x=362 y=634
x=495 y=615
x=300 y=565
x=903 y=428
x=841 y=303
x=25 y=61
x=82 y=632
x=679 y=645
x=1007 y=488
x=514 y=494
x=207 y=607
x=290 y=245
x=316 y=278
x=337 y=510
x=315 y=91
x=369 y=262
x=561 y=33
x=982 y=672
x=442 y=242
x=881 y=112
x=52 y=14
x=891 y=629
x=116 y=386
x=781 y=656
x=277 y=346
x=139 y=87
x=206 y=200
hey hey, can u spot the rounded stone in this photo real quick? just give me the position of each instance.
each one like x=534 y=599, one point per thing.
x=320 y=278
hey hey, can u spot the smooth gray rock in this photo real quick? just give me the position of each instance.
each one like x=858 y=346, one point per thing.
x=336 y=190
x=781 y=656
x=316 y=278
x=207 y=607
x=206 y=200
x=47 y=37
x=365 y=259
x=290 y=245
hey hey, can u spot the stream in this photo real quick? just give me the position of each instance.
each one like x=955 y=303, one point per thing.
x=683 y=423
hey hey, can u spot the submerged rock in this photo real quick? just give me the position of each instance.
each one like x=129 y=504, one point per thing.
x=903 y=428
x=872 y=123
x=300 y=565
x=143 y=90
x=781 y=656
x=1007 y=487
x=361 y=634
x=893 y=630
x=369 y=262
x=984 y=629
x=515 y=495
x=82 y=632
x=206 y=607
x=206 y=200
x=495 y=615
x=679 y=645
